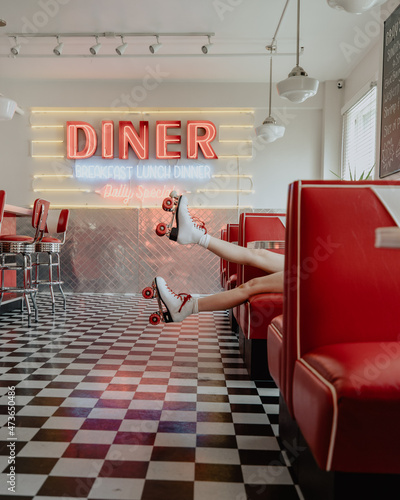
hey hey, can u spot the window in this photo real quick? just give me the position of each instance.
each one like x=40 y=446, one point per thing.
x=359 y=138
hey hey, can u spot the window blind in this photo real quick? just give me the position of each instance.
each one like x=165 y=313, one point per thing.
x=359 y=138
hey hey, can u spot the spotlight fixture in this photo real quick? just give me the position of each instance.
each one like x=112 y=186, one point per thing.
x=298 y=86
x=155 y=47
x=121 y=48
x=95 y=48
x=2 y=23
x=17 y=47
x=354 y=6
x=59 y=48
x=269 y=131
x=207 y=47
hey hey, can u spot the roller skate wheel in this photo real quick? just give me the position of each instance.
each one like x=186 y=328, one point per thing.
x=161 y=229
x=155 y=319
x=168 y=204
x=148 y=292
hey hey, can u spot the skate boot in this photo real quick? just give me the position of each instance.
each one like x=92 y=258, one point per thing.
x=188 y=229
x=178 y=306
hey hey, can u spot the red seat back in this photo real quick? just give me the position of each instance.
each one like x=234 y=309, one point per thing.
x=232 y=237
x=258 y=227
x=2 y=204
x=338 y=286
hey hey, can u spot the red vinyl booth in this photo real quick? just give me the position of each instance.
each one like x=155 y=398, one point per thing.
x=231 y=267
x=223 y=262
x=254 y=316
x=335 y=353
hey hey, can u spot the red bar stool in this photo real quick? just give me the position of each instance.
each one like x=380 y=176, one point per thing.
x=49 y=248
x=16 y=255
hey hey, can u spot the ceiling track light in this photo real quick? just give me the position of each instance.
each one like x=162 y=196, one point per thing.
x=2 y=23
x=155 y=47
x=8 y=107
x=94 y=49
x=17 y=47
x=298 y=86
x=269 y=131
x=208 y=46
x=59 y=47
x=121 y=48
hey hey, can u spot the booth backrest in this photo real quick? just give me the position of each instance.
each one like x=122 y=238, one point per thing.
x=223 y=262
x=259 y=227
x=338 y=286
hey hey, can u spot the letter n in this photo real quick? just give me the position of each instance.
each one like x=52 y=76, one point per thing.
x=138 y=142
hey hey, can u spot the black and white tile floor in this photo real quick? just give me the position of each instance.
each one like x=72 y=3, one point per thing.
x=111 y=407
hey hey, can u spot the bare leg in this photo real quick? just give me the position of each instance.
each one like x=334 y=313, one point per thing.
x=236 y=296
x=270 y=262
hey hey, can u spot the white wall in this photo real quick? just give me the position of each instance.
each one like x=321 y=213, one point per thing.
x=296 y=156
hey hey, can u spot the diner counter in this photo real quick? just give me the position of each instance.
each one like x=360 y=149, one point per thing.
x=9 y=226
x=14 y=211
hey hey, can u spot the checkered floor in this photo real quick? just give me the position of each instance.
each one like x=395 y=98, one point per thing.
x=110 y=407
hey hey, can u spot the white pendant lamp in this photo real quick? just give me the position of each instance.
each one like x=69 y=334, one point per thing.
x=298 y=86
x=354 y=6
x=269 y=131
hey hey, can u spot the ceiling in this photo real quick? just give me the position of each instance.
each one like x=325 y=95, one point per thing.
x=242 y=30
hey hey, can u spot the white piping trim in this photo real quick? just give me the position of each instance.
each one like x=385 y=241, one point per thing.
x=298 y=274
x=278 y=332
x=335 y=411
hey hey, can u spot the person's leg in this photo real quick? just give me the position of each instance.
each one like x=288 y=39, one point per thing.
x=182 y=305
x=236 y=296
x=266 y=260
x=189 y=231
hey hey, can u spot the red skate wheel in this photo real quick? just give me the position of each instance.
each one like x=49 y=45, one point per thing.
x=155 y=319
x=148 y=292
x=168 y=204
x=161 y=229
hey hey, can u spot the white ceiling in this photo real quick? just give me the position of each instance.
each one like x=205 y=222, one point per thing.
x=242 y=29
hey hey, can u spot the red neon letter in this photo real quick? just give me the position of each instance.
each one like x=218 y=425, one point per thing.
x=139 y=143
x=72 y=140
x=163 y=139
x=107 y=139
x=193 y=140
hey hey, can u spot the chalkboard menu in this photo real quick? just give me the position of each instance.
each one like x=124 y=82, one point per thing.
x=390 y=122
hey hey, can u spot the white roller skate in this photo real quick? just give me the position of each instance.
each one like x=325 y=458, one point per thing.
x=178 y=306
x=188 y=229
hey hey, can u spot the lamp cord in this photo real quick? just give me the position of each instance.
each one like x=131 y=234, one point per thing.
x=298 y=34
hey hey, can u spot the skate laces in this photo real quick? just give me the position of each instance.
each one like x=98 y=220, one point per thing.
x=184 y=297
x=199 y=223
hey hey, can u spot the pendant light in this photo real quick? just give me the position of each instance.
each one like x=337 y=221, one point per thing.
x=298 y=86
x=354 y=6
x=269 y=131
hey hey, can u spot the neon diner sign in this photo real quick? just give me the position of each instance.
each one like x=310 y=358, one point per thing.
x=138 y=141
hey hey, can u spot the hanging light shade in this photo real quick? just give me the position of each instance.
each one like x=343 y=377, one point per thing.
x=354 y=6
x=269 y=131
x=7 y=108
x=298 y=86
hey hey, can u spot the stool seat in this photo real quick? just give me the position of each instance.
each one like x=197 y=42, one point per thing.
x=16 y=237
x=49 y=239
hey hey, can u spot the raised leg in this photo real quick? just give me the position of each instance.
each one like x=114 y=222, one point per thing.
x=266 y=260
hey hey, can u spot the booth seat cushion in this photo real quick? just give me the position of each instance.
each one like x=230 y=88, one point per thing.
x=257 y=313
x=275 y=349
x=346 y=400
